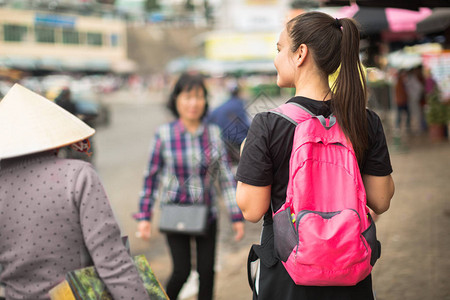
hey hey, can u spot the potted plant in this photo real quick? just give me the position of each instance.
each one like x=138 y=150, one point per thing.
x=437 y=115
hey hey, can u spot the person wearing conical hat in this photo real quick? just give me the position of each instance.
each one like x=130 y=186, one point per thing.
x=55 y=216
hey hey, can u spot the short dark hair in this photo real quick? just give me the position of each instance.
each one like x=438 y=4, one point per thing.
x=186 y=83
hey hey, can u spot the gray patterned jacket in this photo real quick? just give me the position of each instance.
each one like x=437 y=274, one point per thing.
x=55 y=217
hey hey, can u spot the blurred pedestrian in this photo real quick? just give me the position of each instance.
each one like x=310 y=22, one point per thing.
x=187 y=157
x=233 y=121
x=430 y=84
x=64 y=99
x=415 y=90
x=310 y=48
x=55 y=215
x=401 y=100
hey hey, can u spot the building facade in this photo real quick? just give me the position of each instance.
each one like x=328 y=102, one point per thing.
x=42 y=40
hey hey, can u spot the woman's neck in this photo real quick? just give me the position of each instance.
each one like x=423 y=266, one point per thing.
x=311 y=84
x=191 y=125
x=318 y=91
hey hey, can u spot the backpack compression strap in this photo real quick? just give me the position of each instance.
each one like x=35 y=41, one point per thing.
x=296 y=113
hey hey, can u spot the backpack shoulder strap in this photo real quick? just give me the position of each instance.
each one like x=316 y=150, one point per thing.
x=297 y=113
x=293 y=112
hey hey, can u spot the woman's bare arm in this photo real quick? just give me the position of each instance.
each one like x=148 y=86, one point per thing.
x=379 y=192
x=254 y=201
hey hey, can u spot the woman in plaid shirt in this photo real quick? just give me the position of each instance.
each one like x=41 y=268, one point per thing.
x=187 y=158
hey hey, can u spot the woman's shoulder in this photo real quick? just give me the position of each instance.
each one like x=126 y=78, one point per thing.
x=165 y=129
x=213 y=130
x=373 y=119
x=167 y=125
x=372 y=115
x=78 y=166
x=272 y=122
x=212 y=126
x=375 y=129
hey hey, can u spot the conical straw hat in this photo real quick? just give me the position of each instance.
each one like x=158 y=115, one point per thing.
x=30 y=123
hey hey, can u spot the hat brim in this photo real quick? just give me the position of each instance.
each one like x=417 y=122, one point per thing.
x=30 y=123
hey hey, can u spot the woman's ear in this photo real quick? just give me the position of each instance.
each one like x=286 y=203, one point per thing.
x=300 y=54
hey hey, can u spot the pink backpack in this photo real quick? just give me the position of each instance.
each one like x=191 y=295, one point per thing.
x=323 y=233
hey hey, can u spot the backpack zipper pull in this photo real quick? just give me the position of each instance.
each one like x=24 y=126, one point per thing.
x=298 y=242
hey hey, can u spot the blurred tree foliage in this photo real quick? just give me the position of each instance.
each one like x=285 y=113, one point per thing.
x=188 y=5
x=436 y=111
x=152 y=5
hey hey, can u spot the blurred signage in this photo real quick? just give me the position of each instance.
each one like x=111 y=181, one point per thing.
x=253 y=15
x=259 y=19
x=54 y=20
x=241 y=46
x=261 y=2
x=439 y=65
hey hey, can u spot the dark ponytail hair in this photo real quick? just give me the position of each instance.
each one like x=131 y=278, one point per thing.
x=333 y=43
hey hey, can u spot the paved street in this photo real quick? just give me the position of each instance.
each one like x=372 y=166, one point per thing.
x=415 y=264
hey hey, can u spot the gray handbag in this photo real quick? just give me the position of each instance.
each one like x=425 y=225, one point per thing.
x=188 y=219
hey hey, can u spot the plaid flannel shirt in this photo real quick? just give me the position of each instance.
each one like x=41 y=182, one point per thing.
x=187 y=165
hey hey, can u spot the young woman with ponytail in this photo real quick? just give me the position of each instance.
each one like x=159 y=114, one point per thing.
x=310 y=48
